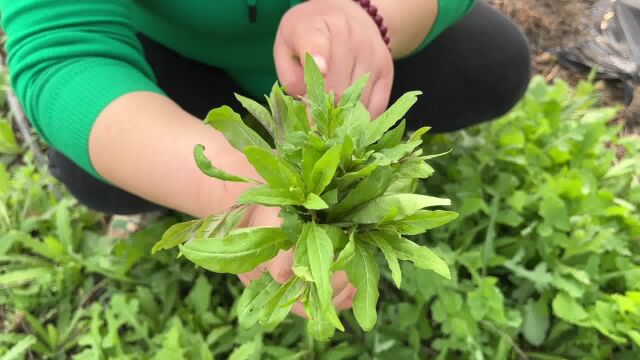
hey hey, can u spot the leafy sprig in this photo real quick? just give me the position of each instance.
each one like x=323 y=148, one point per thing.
x=345 y=186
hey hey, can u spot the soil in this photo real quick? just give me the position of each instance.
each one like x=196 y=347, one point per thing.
x=553 y=24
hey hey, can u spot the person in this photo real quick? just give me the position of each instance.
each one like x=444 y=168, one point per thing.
x=118 y=88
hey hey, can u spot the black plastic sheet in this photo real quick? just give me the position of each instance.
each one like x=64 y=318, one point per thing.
x=612 y=45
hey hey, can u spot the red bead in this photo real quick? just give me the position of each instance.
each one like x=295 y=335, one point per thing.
x=383 y=30
x=365 y=3
x=372 y=10
x=386 y=39
x=378 y=19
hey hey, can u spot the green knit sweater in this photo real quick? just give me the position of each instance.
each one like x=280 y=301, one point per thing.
x=68 y=59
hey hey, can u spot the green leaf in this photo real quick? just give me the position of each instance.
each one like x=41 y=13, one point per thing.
x=310 y=157
x=274 y=170
x=18 y=350
x=356 y=123
x=391 y=138
x=254 y=298
x=330 y=197
x=390 y=117
x=267 y=196
x=414 y=169
x=314 y=80
x=378 y=239
x=49 y=247
x=364 y=274
x=8 y=143
x=278 y=307
x=554 y=211
x=316 y=93
x=394 y=154
x=567 y=309
x=301 y=267
x=63 y=227
x=347 y=150
x=282 y=124
x=259 y=112
x=205 y=165
x=417 y=136
x=199 y=297
x=536 y=322
x=337 y=235
x=352 y=94
x=349 y=178
x=291 y=223
x=5 y=180
x=421 y=256
x=211 y=226
x=324 y=170
x=422 y=221
x=248 y=351
x=487 y=301
x=315 y=202
x=240 y=251
x=344 y=351
x=320 y=252
x=171 y=347
x=295 y=118
x=318 y=326
x=230 y=124
x=374 y=211
x=25 y=276
x=345 y=255
x=369 y=188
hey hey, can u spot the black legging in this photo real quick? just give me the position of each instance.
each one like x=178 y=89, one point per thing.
x=475 y=71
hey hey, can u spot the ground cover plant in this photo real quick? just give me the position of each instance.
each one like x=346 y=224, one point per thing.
x=544 y=260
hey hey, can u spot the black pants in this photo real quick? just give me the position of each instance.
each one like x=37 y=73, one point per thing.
x=475 y=71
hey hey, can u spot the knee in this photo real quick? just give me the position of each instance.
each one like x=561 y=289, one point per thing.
x=514 y=74
x=92 y=192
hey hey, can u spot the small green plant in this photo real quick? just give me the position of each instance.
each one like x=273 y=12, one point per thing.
x=345 y=186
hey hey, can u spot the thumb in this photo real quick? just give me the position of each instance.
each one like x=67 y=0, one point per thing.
x=290 y=54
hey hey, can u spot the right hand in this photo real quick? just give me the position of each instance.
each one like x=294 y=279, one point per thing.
x=280 y=266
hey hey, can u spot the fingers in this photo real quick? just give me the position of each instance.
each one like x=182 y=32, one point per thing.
x=280 y=266
x=380 y=93
x=343 y=57
x=292 y=44
x=298 y=309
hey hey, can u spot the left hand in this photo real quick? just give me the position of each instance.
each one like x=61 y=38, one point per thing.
x=345 y=43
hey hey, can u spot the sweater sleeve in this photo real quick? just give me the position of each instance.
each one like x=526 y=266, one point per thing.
x=449 y=12
x=67 y=61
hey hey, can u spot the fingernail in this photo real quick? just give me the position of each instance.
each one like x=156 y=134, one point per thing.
x=321 y=62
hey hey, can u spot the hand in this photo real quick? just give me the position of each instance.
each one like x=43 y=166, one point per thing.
x=280 y=266
x=345 y=43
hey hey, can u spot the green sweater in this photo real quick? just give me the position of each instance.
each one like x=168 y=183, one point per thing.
x=68 y=59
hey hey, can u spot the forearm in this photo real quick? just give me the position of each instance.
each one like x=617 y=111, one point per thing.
x=143 y=143
x=408 y=21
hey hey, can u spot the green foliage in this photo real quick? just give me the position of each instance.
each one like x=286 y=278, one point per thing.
x=548 y=197
x=524 y=284
x=303 y=177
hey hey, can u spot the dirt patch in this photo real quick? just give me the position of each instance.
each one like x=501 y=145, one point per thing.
x=553 y=24
x=548 y=23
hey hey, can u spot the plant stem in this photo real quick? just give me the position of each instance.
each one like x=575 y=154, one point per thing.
x=314 y=216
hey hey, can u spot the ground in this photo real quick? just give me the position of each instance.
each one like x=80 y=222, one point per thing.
x=553 y=24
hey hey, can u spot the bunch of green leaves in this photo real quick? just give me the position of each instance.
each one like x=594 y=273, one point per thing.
x=545 y=255
x=346 y=188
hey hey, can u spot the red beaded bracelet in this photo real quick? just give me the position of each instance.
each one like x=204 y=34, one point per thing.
x=373 y=12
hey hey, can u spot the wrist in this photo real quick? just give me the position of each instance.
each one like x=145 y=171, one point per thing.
x=408 y=22
x=377 y=18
